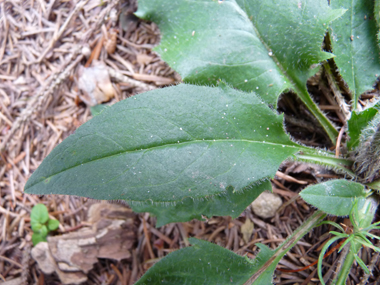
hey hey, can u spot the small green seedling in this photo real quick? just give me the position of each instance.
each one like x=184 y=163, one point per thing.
x=361 y=222
x=41 y=224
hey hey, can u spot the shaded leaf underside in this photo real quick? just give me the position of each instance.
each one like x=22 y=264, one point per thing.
x=186 y=144
x=355 y=44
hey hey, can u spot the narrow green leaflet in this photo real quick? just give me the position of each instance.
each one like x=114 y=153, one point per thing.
x=203 y=263
x=183 y=145
x=244 y=43
x=357 y=123
x=355 y=45
x=335 y=197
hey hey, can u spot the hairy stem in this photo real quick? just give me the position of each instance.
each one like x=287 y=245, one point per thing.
x=324 y=158
x=346 y=267
x=289 y=243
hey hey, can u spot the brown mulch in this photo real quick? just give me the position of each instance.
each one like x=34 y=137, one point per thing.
x=42 y=46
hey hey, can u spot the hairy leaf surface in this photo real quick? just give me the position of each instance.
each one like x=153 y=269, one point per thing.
x=204 y=263
x=377 y=17
x=358 y=122
x=334 y=197
x=185 y=146
x=243 y=43
x=355 y=45
x=195 y=209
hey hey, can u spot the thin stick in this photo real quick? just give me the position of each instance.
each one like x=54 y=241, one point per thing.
x=147 y=238
x=54 y=81
x=10 y=261
x=56 y=36
x=371 y=266
x=338 y=140
x=96 y=52
x=37 y=101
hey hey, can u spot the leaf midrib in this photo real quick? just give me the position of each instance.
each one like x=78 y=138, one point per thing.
x=299 y=147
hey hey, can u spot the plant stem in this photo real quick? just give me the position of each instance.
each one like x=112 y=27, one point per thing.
x=346 y=267
x=289 y=243
x=322 y=158
x=364 y=219
x=374 y=185
x=304 y=95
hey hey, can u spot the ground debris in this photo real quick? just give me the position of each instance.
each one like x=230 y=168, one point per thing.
x=111 y=236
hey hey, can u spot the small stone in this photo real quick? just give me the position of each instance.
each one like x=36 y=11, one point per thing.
x=86 y=51
x=266 y=205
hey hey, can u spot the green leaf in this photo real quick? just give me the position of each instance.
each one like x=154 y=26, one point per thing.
x=204 y=263
x=335 y=197
x=36 y=238
x=41 y=230
x=265 y=277
x=242 y=43
x=181 y=144
x=196 y=208
x=52 y=225
x=39 y=214
x=362 y=264
x=355 y=44
x=357 y=122
x=377 y=17
x=374 y=185
x=365 y=213
x=320 y=258
x=36 y=226
x=97 y=109
x=367 y=163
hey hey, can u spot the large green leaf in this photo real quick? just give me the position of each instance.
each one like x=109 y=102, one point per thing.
x=204 y=263
x=183 y=146
x=358 y=122
x=265 y=46
x=377 y=17
x=335 y=197
x=355 y=44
